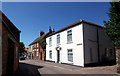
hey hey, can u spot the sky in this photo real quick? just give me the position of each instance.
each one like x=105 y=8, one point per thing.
x=59 y=0
x=32 y=17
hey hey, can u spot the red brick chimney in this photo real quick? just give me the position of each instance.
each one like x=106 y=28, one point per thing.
x=53 y=30
x=41 y=33
x=50 y=31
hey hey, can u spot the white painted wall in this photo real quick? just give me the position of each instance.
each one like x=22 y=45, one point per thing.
x=77 y=38
x=81 y=53
x=90 y=39
x=105 y=42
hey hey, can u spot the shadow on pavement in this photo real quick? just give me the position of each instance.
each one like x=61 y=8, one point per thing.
x=25 y=69
x=101 y=64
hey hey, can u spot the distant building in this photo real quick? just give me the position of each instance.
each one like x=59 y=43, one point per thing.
x=35 y=49
x=30 y=50
x=26 y=53
x=26 y=49
x=80 y=43
x=10 y=46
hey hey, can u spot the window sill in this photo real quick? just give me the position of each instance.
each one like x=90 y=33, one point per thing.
x=70 y=62
x=69 y=42
x=58 y=44
x=50 y=45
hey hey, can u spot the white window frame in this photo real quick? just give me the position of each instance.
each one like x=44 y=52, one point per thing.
x=69 y=35
x=37 y=53
x=58 y=39
x=70 y=55
x=50 y=41
x=37 y=44
x=50 y=54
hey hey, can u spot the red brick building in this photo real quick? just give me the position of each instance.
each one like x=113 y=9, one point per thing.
x=10 y=46
x=37 y=51
x=26 y=49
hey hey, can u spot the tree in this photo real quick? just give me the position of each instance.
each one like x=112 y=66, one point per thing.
x=22 y=49
x=42 y=44
x=112 y=27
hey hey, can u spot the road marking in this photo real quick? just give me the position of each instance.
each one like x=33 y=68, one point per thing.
x=57 y=67
x=63 y=68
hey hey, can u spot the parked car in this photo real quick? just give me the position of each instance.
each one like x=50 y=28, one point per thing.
x=22 y=58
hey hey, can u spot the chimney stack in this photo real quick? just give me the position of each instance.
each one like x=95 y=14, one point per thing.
x=53 y=30
x=50 y=31
x=41 y=33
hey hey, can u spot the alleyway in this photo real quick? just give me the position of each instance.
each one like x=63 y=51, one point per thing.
x=40 y=68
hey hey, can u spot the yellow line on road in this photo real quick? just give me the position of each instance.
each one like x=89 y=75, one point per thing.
x=58 y=67
x=62 y=68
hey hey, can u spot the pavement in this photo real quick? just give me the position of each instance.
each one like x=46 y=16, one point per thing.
x=40 y=68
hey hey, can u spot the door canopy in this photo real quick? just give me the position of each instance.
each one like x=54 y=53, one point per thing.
x=58 y=48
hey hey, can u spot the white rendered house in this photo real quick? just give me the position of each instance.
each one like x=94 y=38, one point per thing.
x=79 y=43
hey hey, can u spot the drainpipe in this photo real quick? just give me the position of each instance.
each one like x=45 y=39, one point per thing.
x=98 y=45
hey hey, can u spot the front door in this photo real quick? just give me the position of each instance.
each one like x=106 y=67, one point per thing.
x=58 y=56
x=41 y=55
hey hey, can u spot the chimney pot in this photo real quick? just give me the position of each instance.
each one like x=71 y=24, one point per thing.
x=50 y=29
x=53 y=30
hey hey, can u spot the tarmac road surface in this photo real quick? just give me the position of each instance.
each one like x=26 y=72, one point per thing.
x=45 y=68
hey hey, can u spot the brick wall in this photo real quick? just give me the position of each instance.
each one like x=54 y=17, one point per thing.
x=35 y=52
x=41 y=51
x=118 y=59
x=5 y=33
x=4 y=49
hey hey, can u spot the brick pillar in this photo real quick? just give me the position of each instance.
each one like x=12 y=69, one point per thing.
x=118 y=59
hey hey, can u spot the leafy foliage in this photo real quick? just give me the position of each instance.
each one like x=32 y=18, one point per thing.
x=113 y=25
x=22 y=48
x=42 y=43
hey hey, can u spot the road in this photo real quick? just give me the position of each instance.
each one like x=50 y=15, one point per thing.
x=40 y=68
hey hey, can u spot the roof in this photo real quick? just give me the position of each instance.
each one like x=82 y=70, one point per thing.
x=6 y=20
x=39 y=38
x=74 y=24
